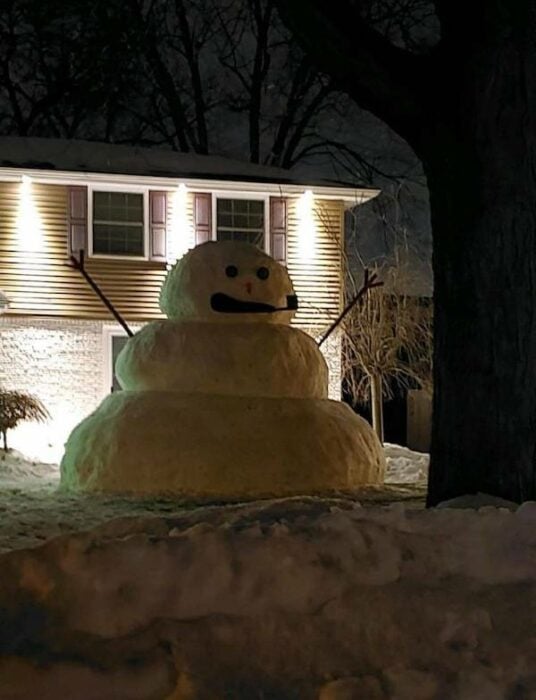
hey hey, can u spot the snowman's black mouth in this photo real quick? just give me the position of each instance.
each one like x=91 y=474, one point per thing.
x=229 y=305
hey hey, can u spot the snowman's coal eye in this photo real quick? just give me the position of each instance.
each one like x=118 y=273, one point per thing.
x=263 y=273
x=231 y=271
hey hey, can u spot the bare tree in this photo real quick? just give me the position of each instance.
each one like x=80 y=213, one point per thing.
x=194 y=75
x=387 y=343
x=173 y=40
x=272 y=83
x=64 y=72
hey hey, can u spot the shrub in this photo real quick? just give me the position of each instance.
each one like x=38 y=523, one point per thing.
x=15 y=406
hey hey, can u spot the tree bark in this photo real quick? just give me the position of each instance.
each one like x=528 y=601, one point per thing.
x=480 y=160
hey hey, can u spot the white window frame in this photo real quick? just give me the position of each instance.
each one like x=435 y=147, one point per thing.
x=123 y=189
x=222 y=194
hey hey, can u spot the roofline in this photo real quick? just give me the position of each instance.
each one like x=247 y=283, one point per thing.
x=351 y=196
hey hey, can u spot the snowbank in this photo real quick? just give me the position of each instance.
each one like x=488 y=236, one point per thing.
x=294 y=598
x=405 y=466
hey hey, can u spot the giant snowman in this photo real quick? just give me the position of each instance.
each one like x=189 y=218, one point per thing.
x=224 y=399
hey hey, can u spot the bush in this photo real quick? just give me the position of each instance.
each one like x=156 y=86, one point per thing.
x=15 y=407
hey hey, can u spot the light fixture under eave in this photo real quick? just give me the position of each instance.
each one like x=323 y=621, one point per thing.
x=29 y=226
x=4 y=302
x=181 y=229
x=306 y=226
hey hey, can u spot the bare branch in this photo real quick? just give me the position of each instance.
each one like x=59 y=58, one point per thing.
x=384 y=78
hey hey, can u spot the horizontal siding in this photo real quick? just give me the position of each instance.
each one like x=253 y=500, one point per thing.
x=317 y=278
x=39 y=280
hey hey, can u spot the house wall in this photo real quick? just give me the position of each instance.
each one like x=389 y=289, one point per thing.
x=37 y=279
x=60 y=361
x=33 y=262
x=52 y=339
x=314 y=259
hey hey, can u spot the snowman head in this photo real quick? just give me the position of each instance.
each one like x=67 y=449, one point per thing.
x=228 y=281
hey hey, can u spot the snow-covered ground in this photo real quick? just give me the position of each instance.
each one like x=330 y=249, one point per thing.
x=32 y=511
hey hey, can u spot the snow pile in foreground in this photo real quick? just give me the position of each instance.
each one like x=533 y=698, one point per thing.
x=293 y=598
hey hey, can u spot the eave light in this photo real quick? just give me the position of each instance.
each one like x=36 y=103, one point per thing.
x=29 y=227
x=306 y=226
x=181 y=230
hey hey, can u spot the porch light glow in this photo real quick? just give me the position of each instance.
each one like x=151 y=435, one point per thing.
x=306 y=226
x=182 y=233
x=29 y=227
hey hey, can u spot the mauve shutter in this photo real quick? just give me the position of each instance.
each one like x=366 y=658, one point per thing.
x=77 y=219
x=202 y=217
x=157 y=225
x=278 y=229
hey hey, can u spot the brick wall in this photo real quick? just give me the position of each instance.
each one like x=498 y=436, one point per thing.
x=59 y=361
x=331 y=350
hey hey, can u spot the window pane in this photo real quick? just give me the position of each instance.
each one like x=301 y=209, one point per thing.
x=240 y=206
x=118 y=206
x=116 y=239
x=225 y=206
x=256 y=206
x=240 y=220
x=253 y=237
x=225 y=220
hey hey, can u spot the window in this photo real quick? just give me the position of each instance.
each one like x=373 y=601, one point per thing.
x=118 y=224
x=114 y=341
x=118 y=343
x=240 y=220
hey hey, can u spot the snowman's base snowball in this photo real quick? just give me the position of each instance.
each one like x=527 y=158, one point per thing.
x=211 y=446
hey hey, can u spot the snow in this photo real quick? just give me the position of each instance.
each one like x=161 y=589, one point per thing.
x=208 y=410
x=93 y=157
x=33 y=510
x=405 y=466
x=288 y=598
x=328 y=598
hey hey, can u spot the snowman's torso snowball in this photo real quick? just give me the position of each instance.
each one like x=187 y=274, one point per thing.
x=227 y=282
x=241 y=359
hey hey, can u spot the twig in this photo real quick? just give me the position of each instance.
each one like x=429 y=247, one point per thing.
x=369 y=282
x=79 y=265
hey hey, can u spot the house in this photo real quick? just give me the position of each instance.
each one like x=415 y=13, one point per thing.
x=133 y=212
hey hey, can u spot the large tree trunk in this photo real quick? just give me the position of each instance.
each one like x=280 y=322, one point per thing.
x=481 y=169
